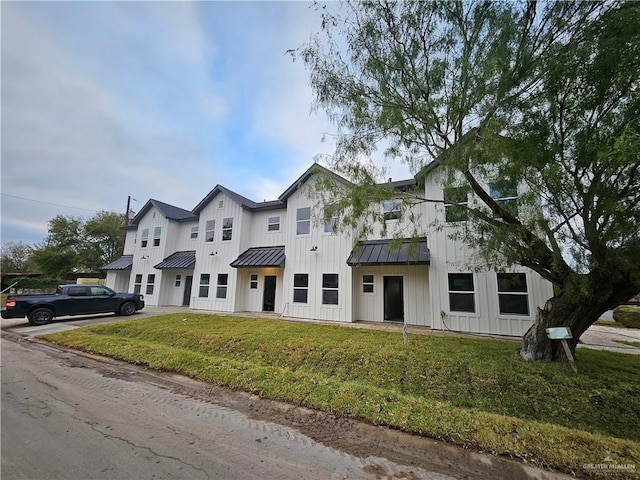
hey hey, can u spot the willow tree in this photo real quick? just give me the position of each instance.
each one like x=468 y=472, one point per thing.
x=540 y=94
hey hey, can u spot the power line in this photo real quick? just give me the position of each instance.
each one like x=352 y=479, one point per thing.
x=48 y=203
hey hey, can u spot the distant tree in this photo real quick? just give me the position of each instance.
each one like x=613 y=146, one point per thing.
x=543 y=94
x=15 y=257
x=76 y=245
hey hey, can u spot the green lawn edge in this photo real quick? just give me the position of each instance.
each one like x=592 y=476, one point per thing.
x=543 y=444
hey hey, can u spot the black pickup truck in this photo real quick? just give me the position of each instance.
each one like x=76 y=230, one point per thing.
x=71 y=300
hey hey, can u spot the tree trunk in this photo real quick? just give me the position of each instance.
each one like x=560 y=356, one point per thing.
x=577 y=313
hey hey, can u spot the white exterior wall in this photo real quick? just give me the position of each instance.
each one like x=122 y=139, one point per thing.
x=224 y=252
x=452 y=256
x=330 y=257
x=370 y=306
x=118 y=280
x=259 y=236
x=144 y=258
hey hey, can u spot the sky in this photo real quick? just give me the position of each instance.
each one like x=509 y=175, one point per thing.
x=163 y=100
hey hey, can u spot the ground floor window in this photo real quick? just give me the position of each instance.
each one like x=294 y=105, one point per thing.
x=461 y=293
x=204 y=285
x=300 y=287
x=367 y=284
x=178 y=280
x=221 y=287
x=254 y=281
x=151 y=279
x=513 y=296
x=137 y=284
x=330 y=289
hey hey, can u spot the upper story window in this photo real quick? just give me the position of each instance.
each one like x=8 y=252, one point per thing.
x=461 y=293
x=144 y=239
x=194 y=232
x=273 y=224
x=392 y=210
x=303 y=221
x=209 y=230
x=513 y=297
x=505 y=195
x=227 y=228
x=157 y=232
x=221 y=204
x=331 y=225
x=455 y=204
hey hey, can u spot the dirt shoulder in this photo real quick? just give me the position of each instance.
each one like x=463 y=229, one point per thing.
x=348 y=435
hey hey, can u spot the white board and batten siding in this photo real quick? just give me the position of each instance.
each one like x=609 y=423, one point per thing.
x=453 y=256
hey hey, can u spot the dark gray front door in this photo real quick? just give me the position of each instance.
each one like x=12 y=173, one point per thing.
x=269 y=298
x=186 y=298
x=393 y=299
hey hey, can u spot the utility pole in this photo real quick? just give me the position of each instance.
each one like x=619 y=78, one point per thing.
x=126 y=223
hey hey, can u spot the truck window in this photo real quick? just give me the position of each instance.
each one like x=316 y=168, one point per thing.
x=99 y=291
x=77 y=291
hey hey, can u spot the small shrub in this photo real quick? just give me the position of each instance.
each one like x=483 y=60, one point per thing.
x=627 y=315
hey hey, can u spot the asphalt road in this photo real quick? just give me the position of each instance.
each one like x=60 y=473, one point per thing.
x=67 y=417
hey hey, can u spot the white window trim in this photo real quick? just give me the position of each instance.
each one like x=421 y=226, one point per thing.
x=476 y=307
x=372 y=283
x=526 y=294
x=269 y=223
x=212 y=230
x=331 y=289
x=307 y=220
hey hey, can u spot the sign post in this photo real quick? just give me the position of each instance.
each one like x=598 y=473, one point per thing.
x=562 y=334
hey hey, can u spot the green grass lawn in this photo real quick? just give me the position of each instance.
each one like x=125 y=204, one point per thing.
x=473 y=392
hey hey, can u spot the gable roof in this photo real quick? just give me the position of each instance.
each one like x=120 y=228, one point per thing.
x=313 y=169
x=244 y=202
x=170 y=212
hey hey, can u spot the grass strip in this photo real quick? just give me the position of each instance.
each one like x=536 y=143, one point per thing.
x=474 y=393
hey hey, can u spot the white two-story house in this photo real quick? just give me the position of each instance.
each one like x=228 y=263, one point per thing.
x=231 y=254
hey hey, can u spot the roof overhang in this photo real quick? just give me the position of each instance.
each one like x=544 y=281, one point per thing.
x=184 y=260
x=406 y=251
x=260 y=257
x=123 y=263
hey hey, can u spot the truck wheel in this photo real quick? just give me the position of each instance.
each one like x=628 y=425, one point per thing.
x=40 y=316
x=127 y=308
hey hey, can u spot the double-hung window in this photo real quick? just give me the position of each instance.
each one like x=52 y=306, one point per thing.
x=392 y=210
x=367 y=284
x=330 y=289
x=227 y=228
x=157 y=232
x=205 y=278
x=303 y=221
x=455 y=204
x=273 y=224
x=144 y=239
x=505 y=195
x=151 y=279
x=253 y=282
x=194 y=232
x=513 y=296
x=221 y=287
x=137 y=284
x=461 y=293
x=209 y=230
x=300 y=287
x=178 y=280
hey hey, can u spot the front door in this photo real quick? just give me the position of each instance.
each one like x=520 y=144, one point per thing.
x=393 y=299
x=186 y=298
x=269 y=298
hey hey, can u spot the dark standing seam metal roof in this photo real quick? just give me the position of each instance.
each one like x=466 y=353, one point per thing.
x=122 y=263
x=385 y=252
x=183 y=260
x=260 y=257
